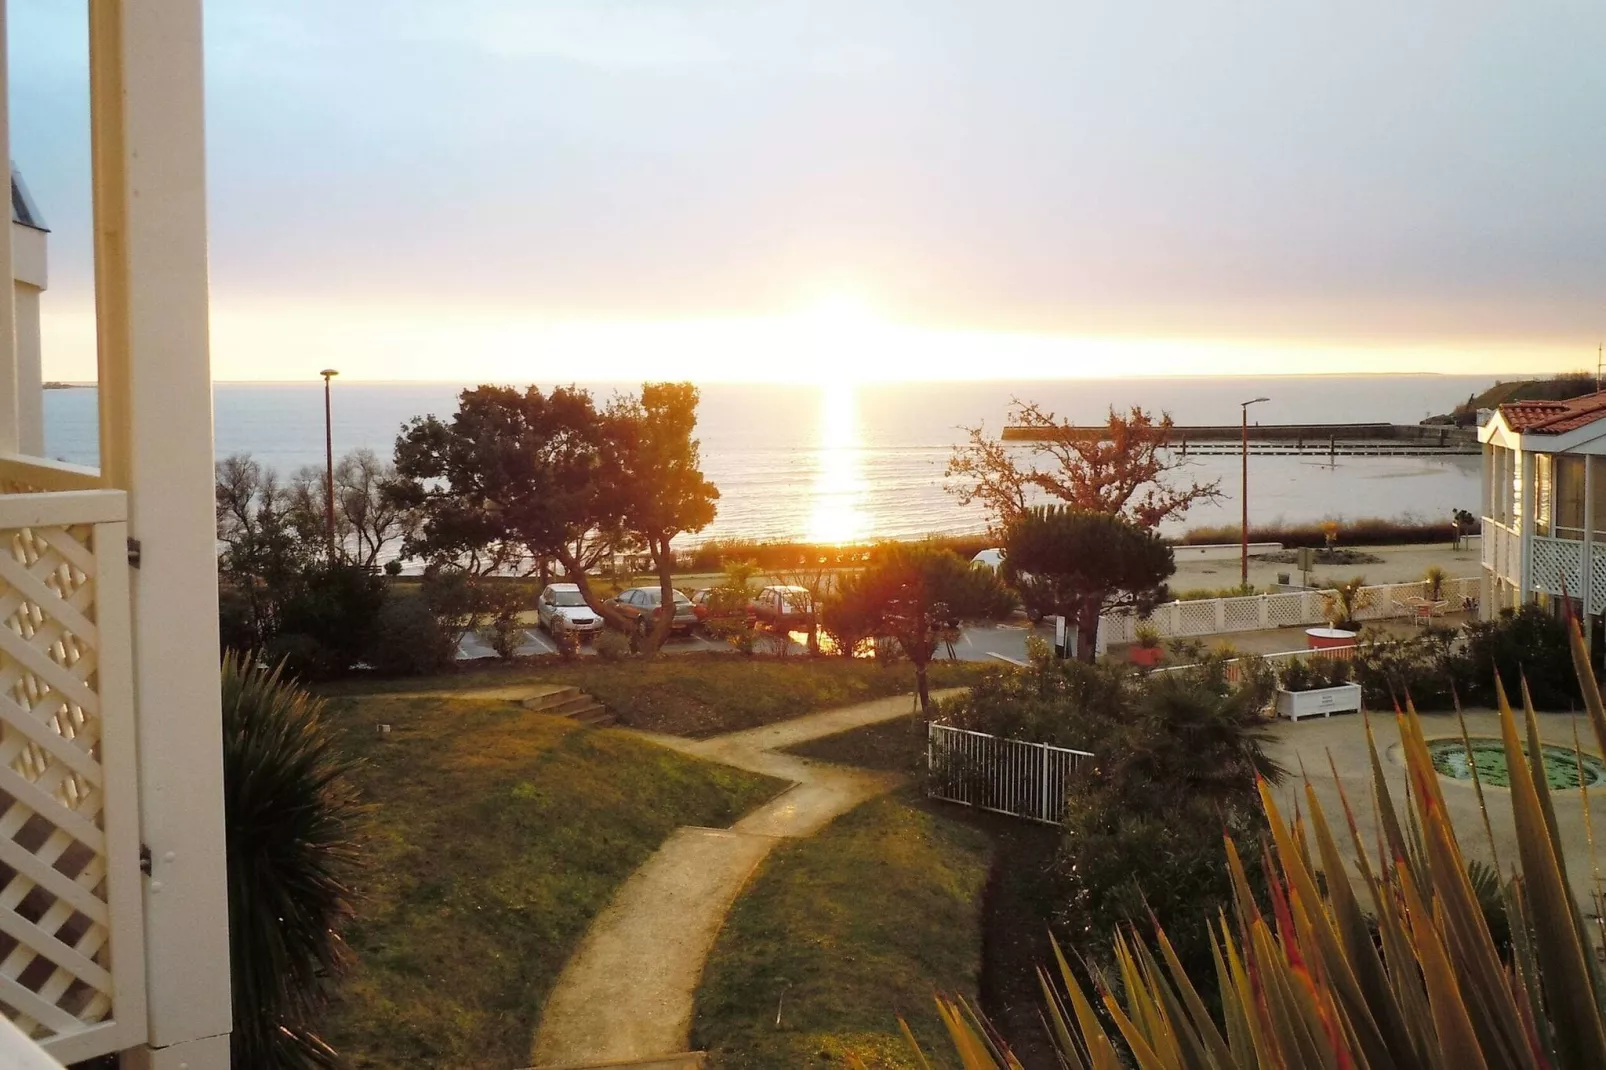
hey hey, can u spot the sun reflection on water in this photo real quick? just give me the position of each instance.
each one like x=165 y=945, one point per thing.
x=836 y=515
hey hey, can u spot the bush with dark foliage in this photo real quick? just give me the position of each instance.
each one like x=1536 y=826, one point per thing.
x=289 y=820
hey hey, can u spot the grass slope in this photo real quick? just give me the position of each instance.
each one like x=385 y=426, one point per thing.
x=495 y=836
x=702 y=694
x=842 y=933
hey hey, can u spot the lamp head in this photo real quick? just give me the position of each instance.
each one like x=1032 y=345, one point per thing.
x=1253 y=401
x=328 y=373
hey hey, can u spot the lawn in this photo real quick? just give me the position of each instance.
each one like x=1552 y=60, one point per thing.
x=840 y=934
x=495 y=836
x=889 y=747
x=1021 y=891
x=701 y=694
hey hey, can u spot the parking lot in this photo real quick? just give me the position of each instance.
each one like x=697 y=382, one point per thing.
x=979 y=642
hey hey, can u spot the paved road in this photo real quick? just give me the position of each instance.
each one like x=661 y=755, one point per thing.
x=626 y=996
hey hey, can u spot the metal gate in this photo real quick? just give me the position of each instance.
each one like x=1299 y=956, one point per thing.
x=1007 y=776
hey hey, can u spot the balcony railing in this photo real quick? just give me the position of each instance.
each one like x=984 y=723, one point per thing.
x=71 y=925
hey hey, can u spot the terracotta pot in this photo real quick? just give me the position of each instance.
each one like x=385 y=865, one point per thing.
x=1148 y=656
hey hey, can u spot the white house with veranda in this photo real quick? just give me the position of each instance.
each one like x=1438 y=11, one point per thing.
x=1544 y=508
x=113 y=887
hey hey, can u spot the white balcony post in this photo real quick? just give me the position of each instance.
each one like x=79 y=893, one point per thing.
x=8 y=311
x=156 y=442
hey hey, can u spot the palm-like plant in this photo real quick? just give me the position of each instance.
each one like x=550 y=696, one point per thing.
x=1346 y=602
x=289 y=817
x=1396 y=969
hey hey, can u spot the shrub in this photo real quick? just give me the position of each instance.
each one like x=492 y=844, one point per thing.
x=409 y=640
x=1311 y=674
x=1175 y=760
x=1146 y=635
x=1428 y=668
x=1421 y=958
x=1525 y=644
x=327 y=623
x=506 y=631
x=289 y=817
x=611 y=646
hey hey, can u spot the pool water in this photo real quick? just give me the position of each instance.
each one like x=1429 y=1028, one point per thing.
x=1561 y=764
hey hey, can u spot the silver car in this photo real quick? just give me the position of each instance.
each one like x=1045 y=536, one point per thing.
x=562 y=610
x=641 y=607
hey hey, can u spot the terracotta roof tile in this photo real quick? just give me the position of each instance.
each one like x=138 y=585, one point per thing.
x=1554 y=417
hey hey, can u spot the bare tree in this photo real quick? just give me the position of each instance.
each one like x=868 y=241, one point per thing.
x=1124 y=470
x=371 y=516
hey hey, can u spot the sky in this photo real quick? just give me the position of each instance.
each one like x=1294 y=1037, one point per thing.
x=878 y=189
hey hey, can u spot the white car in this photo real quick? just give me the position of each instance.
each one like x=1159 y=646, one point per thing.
x=993 y=559
x=562 y=610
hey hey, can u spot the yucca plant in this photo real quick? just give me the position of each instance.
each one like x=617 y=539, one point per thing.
x=1396 y=969
x=289 y=827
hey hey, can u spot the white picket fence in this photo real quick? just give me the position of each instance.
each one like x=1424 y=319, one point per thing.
x=1006 y=776
x=1254 y=612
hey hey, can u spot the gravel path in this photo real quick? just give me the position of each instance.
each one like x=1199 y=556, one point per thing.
x=625 y=997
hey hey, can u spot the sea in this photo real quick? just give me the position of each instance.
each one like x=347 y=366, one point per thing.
x=847 y=462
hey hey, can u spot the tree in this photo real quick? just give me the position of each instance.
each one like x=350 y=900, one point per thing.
x=1123 y=471
x=513 y=478
x=373 y=518
x=915 y=595
x=265 y=547
x=1082 y=564
x=664 y=491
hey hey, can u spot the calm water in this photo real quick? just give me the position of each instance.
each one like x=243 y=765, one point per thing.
x=839 y=463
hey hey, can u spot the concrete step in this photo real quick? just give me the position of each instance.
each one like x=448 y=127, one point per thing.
x=576 y=703
x=596 y=715
x=690 y=1060
x=551 y=697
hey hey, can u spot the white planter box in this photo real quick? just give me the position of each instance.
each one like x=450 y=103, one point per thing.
x=1322 y=701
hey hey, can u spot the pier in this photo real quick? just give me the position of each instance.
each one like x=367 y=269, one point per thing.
x=1333 y=440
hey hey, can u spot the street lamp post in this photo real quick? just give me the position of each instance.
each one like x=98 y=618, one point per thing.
x=1243 y=578
x=329 y=460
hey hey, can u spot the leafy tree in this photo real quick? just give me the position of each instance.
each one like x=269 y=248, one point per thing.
x=1083 y=564
x=663 y=488
x=915 y=595
x=515 y=477
x=1126 y=471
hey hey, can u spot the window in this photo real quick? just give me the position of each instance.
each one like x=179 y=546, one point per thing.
x=1568 y=494
x=1544 y=487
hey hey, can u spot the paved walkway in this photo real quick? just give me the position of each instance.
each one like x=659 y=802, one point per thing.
x=626 y=994
x=1312 y=740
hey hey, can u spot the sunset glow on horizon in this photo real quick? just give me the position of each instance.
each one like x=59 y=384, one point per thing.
x=826 y=340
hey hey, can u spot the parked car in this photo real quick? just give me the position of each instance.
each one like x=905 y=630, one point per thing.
x=562 y=610
x=719 y=603
x=641 y=607
x=782 y=607
x=1023 y=582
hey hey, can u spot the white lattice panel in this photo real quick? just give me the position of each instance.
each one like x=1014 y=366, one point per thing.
x=1285 y=610
x=70 y=926
x=1198 y=617
x=1558 y=565
x=1240 y=614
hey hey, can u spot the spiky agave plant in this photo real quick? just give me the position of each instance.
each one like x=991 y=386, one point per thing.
x=1397 y=969
x=289 y=821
